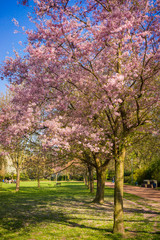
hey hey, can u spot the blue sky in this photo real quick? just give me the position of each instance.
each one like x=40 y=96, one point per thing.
x=9 y=9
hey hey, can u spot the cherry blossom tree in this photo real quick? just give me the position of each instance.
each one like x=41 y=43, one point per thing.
x=23 y=2
x=94 y=65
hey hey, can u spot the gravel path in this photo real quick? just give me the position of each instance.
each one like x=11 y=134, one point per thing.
x=147 y=193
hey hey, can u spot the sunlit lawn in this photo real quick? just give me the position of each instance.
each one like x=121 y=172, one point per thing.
x=66 y=212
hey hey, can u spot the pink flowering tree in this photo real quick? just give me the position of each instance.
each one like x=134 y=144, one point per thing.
x=94 y=66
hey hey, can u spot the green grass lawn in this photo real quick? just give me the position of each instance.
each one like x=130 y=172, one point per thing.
x=66 y=212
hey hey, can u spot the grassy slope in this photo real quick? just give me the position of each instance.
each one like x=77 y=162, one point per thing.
x=66 y=212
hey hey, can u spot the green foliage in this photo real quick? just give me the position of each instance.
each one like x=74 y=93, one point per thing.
x=155 y=170
x=77 y=177
x=63 y=178
x=14 y=176
x=127 y=173
x=143 y=157
x=128 y=179
x=140 y=174
x=149 y=172
x=111 y=174
x=8 y=176
x=107 y=174
x=24 y=176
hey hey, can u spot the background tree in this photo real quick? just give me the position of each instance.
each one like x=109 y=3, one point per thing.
x=145 y=158
x=36 y=167
x=2 y=166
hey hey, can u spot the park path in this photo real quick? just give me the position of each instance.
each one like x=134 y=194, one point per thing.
x=147 y=193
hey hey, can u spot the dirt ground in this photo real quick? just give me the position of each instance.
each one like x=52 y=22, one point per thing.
x=147 y=193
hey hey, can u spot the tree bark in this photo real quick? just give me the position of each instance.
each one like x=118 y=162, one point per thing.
x=91 y=179
x=101 y=177
x=38 y=182
x=18 y=177
x=86 y=179
x=118 y=194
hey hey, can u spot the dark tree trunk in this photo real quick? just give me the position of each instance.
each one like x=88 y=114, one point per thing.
x=18 y=177
x=86 y=179
x=91 y=179
x=101 y=177
x=118 y=194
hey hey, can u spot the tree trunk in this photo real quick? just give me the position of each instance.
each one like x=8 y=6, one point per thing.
x=38 y=182
x=101 y=177
x=118 y=194
x=91 y=180
x=18 y=177
x=56 y=177
x=86 y=179
x=68 y=177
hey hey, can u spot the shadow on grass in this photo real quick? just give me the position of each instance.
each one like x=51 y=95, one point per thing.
x=32 y=206
x=19 y=219
x=135 y=210
x=144 y=235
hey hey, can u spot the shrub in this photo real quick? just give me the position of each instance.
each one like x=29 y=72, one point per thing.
x=141 y=174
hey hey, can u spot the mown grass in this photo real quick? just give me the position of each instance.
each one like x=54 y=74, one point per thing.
x=66 y=212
